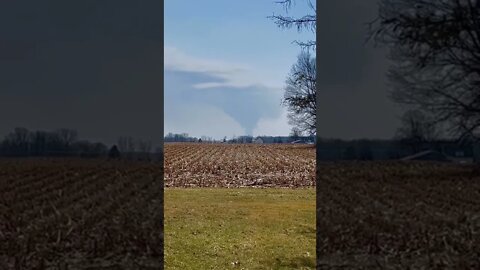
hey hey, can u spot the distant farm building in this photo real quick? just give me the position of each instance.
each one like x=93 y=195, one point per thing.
x=258 y=140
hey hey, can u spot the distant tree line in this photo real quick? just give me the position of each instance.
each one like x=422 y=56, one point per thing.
x=375 y=149
x=417 y=133
x=184 y=137
x=131 y=148
x=65 y=142
x=62 y=142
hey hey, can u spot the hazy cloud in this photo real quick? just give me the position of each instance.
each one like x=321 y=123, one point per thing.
x=201 y=119
x=218 y=86
x=275 y=126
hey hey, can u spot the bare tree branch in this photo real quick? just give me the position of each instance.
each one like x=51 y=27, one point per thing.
x=305 y=23
x=435 y=49
x=300 y=94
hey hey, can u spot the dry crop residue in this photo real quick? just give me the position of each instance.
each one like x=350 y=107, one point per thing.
x=394 y=215
x=80 y=214
x=239 y=165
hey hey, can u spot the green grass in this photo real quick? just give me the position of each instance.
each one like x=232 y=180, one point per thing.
x=239 y=228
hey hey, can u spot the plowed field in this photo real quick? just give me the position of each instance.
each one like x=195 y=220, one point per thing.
x=80 y=214
x=242 y=165
x=394 y=215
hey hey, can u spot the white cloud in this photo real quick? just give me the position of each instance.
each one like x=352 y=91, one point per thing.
x=230 y=74
x=209 y=117
x=273 y=126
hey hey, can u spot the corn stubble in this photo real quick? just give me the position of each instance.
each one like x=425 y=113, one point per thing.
x=80 y=214
x=392 y=215
x=239 y=165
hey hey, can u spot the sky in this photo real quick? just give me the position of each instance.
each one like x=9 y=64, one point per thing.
x=226 y=64
x=353 y=91
x=225 y=67
x=88 y=65
x=94 y=66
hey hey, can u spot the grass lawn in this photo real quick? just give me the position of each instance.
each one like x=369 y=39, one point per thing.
x=239 y=228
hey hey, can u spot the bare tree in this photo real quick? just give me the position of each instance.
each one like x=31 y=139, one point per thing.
x=144 y=149
x=20 y=136
x=435 y=47
x=38 y=142
x=122 y=144
x=67 y=136
x=126 y=145
x=417 y=129
x=17 y=141
x=300 y=94
x=144 y=146
x=295 y=133
x=307 y=22
x=131 y=147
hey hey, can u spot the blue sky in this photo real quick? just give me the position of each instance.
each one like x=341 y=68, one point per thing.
x=225 y=66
